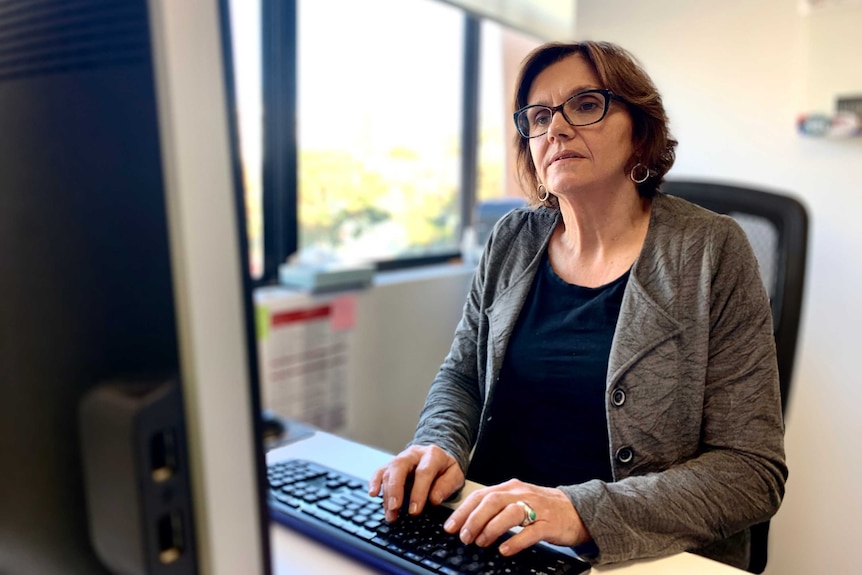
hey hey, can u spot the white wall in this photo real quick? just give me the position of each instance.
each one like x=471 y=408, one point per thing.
x=734 y=75
x=405 y=326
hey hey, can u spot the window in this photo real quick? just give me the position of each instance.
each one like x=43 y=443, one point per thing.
x=501 y=53
x=374 y=111
x=246 y=45
x=379 y=124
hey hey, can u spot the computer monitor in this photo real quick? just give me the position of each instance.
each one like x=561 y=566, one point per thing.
x=122 y=252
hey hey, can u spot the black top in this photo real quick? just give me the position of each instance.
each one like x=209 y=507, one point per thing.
x=548 y=421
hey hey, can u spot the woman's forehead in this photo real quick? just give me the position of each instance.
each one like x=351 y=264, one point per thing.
x=563 y=79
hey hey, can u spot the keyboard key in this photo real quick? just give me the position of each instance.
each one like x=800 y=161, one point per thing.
x=365 y=533
x=330 y=506
x=431 y=564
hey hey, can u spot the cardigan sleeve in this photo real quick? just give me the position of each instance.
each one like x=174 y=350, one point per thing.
x=736 y=478
x=451 y=414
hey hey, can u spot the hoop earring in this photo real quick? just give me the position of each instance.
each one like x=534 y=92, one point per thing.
x=645 y=176
x=544 y=194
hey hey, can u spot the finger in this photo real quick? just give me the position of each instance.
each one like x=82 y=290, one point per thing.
x=376 y=482
x=394 y=479
x=437 y=476
x=510 y=516
x=491 y=504
x=529 y=535
x=429 y=467
x=458 y=517
x=393 y=491
x=446 y=484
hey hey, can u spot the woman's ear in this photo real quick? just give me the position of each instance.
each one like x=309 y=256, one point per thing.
x=633 y=161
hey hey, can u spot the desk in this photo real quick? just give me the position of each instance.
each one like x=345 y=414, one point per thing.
x=295 y=554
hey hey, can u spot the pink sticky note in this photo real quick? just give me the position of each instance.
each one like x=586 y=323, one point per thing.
x=343 y=312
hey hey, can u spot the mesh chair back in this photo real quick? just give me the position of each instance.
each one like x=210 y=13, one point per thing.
x=763 y=236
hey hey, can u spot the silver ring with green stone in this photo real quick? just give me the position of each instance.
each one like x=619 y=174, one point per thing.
x=529 y=513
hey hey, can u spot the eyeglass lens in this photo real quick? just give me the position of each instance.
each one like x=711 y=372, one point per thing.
x=579 y=110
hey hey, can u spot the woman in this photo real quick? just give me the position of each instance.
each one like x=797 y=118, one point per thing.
x=613 y=378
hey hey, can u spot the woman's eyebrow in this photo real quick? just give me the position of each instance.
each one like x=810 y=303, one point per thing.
x=573 y=92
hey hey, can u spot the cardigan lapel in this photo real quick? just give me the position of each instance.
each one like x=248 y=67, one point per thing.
x=643 y=324
x=641 y=327
x=503 y=314
x=502 y=317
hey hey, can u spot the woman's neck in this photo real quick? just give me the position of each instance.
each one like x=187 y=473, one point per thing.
x=599 y=237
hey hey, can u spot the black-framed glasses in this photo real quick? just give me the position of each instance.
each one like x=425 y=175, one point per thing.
x=582 y=109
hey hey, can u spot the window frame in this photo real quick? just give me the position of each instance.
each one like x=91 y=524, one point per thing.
x=280 y=150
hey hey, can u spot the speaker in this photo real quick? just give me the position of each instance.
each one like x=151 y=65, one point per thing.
x=136 y=477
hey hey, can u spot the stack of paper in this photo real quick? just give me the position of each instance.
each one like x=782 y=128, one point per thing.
x=326 y=277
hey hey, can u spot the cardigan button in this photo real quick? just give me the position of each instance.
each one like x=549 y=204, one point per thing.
x=625 y=454
x=618 y=397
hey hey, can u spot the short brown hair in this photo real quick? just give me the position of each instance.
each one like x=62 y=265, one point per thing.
x=619 y=72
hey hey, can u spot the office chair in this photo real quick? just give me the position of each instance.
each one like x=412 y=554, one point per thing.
x=777 y=228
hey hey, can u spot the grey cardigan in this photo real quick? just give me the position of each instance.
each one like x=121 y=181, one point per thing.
x=693 y=406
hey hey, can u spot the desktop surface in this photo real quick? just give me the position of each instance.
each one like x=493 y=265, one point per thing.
x=296 y=554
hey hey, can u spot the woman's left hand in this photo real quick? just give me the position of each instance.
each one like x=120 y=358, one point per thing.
x=488 y=513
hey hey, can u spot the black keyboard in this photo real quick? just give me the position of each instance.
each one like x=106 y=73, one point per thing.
x=335 y=508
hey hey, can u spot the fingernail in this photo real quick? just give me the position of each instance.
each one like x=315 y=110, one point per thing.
x=504 y=549
x=466 y=536
x=449 y=525
x=413 y=508
x=393 y=505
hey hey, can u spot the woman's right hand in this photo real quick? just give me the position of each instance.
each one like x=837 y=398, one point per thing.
x=436 y=476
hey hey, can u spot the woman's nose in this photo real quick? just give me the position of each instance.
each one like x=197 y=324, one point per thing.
x=559 y=126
